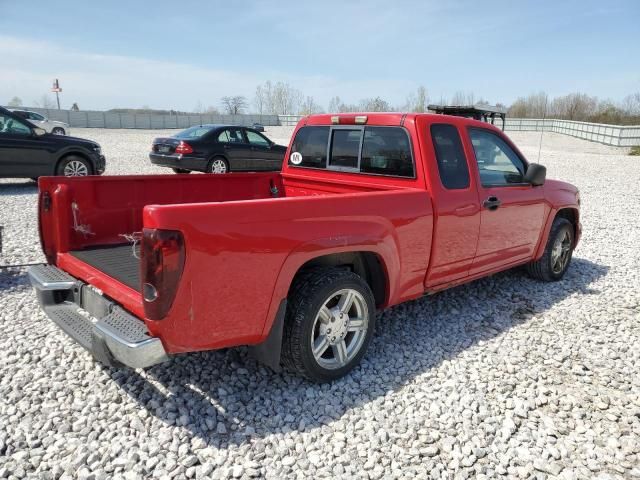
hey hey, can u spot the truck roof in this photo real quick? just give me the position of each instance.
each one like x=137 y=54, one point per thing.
x=384 y=118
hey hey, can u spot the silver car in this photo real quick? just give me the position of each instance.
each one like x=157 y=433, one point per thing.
x=39 y=120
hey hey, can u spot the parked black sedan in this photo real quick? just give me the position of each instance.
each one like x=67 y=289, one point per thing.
x=29 y=151
x=217 y=149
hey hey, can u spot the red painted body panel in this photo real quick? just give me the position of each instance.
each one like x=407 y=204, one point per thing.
x=243 y=247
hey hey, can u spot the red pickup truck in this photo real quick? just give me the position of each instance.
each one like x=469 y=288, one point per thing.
x=369 y=210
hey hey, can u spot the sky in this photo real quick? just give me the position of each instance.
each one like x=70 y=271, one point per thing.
x=169 y=54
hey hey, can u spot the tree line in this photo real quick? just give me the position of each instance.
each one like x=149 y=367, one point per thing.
x=280 y=98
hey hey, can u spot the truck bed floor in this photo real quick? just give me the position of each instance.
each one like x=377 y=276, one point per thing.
x=117 y=261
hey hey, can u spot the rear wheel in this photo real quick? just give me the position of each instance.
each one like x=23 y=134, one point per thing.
x=329 y=324
x=58 y=131
x=74 y=166
x=557 y=253
x=180 y=170
x=218 y=165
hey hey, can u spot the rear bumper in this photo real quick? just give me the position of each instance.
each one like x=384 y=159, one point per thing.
x=178 y=161
x=111 y=334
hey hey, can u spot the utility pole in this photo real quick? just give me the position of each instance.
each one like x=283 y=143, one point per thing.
x=56 y=88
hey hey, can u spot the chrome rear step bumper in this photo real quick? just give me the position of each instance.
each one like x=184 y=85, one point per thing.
x=111 y=334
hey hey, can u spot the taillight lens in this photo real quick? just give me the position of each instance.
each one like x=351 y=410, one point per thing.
x=161 y=268
x=184 y=147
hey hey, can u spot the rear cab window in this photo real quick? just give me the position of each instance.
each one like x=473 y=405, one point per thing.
x=372 y=150
x=451 y=160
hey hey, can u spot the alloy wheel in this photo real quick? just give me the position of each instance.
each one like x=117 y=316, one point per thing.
x=75 y=168
x=339 y=329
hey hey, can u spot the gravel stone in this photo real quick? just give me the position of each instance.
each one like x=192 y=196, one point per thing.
x=504 y=376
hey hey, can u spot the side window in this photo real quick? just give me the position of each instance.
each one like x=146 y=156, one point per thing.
x=257 y=139
x=345 y=147
x=498 y=164
x=311 y=146
x=452 y=164
x=35 y=116
x=231 y=135
x=9 y=125
x=386 y=151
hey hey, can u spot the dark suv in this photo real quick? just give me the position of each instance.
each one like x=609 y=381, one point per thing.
x=29 y=151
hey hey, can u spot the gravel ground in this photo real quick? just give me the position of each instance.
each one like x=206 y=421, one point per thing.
x=502 y=377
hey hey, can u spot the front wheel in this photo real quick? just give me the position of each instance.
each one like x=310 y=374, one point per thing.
x=58 y=131
x=329 y=324
x=557 y=254
x=218 y=165
x=74 y=166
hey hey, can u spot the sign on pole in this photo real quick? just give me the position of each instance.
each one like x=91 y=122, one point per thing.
x=56 y=89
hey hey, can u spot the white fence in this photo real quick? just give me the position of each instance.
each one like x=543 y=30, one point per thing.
x=98 y=119
x=615 y=135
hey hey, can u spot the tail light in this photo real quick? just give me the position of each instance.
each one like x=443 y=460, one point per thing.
x=161 y=267
x=184 y=147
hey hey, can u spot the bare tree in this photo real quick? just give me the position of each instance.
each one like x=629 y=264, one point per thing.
x=376 y=104
x=309 y=106
x=535 y=105
x=334 y=104
x=278 y=99
x=417 y=102
x=15 y=102
x=462 y=98
x=631 y=104
x=199 y=108
x=575 y=106
x=234 y=105
x=211 y=110
x=259 y=100
x=45 y=102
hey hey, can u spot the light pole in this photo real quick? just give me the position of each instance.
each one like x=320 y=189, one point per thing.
x=56 y=88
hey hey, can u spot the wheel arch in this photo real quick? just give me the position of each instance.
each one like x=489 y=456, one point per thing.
x=569 y=212
x=369 y=265
x=366 y=264
x=573 y=215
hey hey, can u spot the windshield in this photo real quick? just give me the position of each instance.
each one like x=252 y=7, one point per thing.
x=194 y=132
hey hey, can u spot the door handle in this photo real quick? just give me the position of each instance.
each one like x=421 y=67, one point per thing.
x=491 y=203
x=226 y=146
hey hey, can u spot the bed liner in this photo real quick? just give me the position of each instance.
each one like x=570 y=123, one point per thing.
x=117 y=261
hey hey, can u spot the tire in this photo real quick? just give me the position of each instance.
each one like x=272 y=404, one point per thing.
x=218 y=165
x=556 y=258
x=341 y=343
x=74 y=166
x=181 y=170
x=58 y=131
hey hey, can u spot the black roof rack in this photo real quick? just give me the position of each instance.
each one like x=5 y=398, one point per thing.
x=486 y=113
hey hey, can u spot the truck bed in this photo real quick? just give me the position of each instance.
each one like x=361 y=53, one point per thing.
x=117 y=261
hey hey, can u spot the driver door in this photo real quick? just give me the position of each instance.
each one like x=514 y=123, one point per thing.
x=512 y=211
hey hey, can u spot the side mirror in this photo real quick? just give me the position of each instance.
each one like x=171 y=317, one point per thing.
x=39 y=131
x=536 y=174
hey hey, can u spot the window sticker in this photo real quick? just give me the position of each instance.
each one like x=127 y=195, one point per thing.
x=296 y=158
